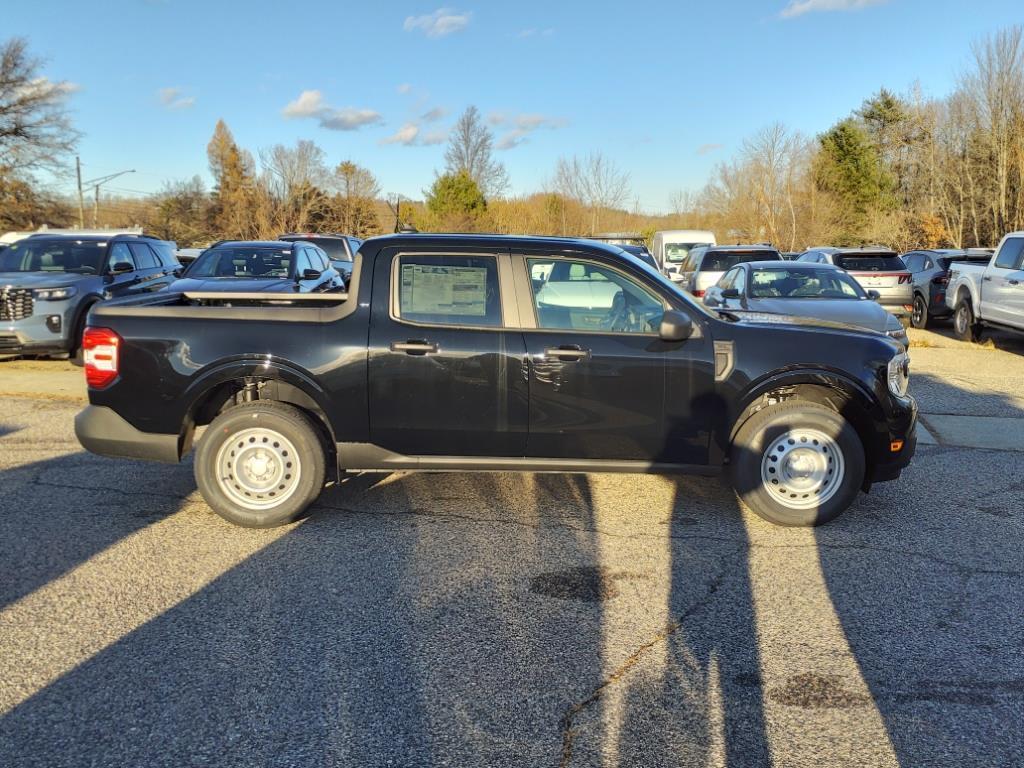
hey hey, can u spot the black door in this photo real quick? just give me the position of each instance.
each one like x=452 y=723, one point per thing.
x=446 y=378
x=598 y=369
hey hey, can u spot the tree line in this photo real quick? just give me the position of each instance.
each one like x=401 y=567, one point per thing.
x=902 y=170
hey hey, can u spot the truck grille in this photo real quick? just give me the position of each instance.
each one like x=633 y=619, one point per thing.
x=15 y=303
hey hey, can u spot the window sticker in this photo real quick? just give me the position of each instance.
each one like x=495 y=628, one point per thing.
x=444 y=290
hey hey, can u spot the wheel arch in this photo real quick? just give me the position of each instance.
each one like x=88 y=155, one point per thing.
x=835 y=390
x=237 y=382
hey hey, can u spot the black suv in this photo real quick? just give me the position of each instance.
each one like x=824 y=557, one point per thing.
x=48 y=283
x=340 y=249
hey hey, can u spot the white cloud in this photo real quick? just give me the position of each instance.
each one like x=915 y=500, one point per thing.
x=443 y=21
x=307 y=105
x=404 y=88
x=434 y=137
x=535 y=32
x=406 y=135
x=310 y=104
x=433 y=115
x=800 y=7
x=43 y=87
x=173 y=98
x=705 y=149
x=521 y=126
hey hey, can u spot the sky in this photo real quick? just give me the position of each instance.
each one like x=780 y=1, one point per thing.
x=667 y=90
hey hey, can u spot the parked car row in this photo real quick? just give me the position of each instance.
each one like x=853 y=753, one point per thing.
x=49 y=283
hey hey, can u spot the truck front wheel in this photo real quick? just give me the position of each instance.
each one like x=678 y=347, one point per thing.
x=260 y=464
x=797 y=463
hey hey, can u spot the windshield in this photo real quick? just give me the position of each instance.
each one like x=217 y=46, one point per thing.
x=722 y=261
x=870 y=263
x=804 y=284
x=251 y=263
x=78 y=257
x=974 y=258
x=677 y=252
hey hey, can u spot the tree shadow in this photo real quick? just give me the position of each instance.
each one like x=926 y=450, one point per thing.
x=926 y=582
x=396 y=625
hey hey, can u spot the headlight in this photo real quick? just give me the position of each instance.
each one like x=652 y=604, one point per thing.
x=899 y=375
x=55 y=294
x=900 y=334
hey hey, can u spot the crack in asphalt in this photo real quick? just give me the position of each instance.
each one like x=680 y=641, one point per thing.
x=568 y=732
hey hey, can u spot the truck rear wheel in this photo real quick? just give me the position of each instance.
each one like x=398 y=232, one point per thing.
x=260 y=464
x=965 y=325
x=797 y=463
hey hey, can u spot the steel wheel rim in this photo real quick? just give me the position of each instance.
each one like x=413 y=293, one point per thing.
x=803 y=468
x=258 y=468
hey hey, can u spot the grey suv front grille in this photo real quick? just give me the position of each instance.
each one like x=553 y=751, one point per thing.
x=15 y=303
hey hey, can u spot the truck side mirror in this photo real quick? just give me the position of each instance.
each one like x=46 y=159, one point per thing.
x=731 y=293
x=122 y=267
x=675 y=326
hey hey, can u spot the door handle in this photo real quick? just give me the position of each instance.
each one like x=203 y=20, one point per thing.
x=987 y=278
x=568 y=353
x=414 y=347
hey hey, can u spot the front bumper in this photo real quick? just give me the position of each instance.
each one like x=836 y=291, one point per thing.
x=100 y=430
x=46 y=330
x=902 y=426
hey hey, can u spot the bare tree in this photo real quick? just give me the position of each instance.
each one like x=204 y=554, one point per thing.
x=35 y=130
x=471 y=149
x=995 y=88
x=594 y=181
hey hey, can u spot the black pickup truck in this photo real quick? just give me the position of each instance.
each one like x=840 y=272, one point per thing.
x=479 y=352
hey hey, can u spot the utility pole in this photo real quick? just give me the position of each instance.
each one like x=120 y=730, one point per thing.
x=81 y=200
x=96 y=184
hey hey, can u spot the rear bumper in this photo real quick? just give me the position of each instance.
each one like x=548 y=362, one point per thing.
x=897 y=306
x=100 y=430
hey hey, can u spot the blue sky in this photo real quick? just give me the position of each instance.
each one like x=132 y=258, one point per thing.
x=665 y=89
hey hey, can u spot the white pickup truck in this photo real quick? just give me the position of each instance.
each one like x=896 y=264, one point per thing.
x=990 y=294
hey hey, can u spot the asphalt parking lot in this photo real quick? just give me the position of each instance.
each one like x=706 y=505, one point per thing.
x=501 y=619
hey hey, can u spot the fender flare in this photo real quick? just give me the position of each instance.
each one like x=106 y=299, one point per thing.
x=266 y=368
x=817 y=376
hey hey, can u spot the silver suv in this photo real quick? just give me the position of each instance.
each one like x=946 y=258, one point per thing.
x=879 y=271
x=48 y=283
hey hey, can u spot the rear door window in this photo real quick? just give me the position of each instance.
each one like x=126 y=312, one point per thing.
x=869 y=263
x=720 y=261
x=447 y=290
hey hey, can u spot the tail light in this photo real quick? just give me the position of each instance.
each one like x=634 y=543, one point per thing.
x=941 y=279
x=698 y=293
x=905 y=279
x=100 y=347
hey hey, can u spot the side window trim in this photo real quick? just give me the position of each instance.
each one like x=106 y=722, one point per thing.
x=1008 y=244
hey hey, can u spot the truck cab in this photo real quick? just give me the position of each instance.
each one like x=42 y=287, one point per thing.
x=989 y=295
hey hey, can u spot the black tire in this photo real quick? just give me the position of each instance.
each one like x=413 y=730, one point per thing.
x=919 y=317
x=75 y=351
x=751 y=459
x=275 y=438
x=965 y=324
